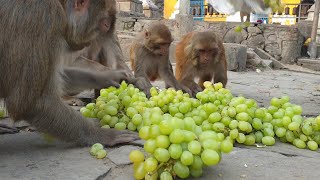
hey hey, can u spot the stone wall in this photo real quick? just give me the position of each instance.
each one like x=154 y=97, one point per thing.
x=284 y=43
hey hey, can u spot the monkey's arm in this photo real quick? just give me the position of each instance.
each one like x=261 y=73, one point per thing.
x=86 y=79
x=187 y=79
x=113 y=55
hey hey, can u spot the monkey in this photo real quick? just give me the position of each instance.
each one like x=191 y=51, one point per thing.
x=200 y=55
x=149 y=56
x=35 y=38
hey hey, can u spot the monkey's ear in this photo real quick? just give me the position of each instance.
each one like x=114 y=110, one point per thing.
x=81 y=5
x=146 y=34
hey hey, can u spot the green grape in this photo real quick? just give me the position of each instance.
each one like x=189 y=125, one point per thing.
x=268 y=132
x=220 y=137
x=210 y=157
x=218 y=127
x=226 y=120
x=286 y=120
x=214 y=117
x=267 y=125
x=290 y=136
x=206 y=127
x=131 y=112
x=210 y=144
x=259 y=113
x=208 y=135
x=90 y=106
x=101 y=154
x=175 y=151
x=194 y=147
x=303 y=137
x=196 y=172
x=281 y=132
x=238 y=29
x=257 y=124
x=189 y=136
x=297 y=118
x=272 y=109
x=278 y=115
x=297 y=109
x=197 y=163
x=120 y=126
x=166 y=176
x=307 y=129
x=243 y=126
x=294 y=126
x=150 y=145
x=258 y=136
x=232 y=112
x=210 y=108
x=181 y=170
x=162 y=141
x=241 y=108
x=186 y=158
x=154 y=131
x=162 y=155
x=241 y=138
x=144 y=132
x=312 y=145
x=106 y=127
x=198 y=120
x=267 y=118
x=250 y=140
x=111 y=110
x=177 y=123
x=136 y=156
x=136 y=119
x=95 y=148
x=176 y=136
x=189 y=124
x=150 y=164
x=268 y=140
x=226 y=146
x=156 y=118
x=234 y=133
x=285 y=99
x=276 y=102
x=179 y=115
x=139 y=172
x=165 y=127
x=243 y=116
x=299 y=143
x=114 y=121
x=233 y=124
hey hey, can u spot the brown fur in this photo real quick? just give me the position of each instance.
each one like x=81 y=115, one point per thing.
x=190 y=65
x=34 y=36
x=149 y=56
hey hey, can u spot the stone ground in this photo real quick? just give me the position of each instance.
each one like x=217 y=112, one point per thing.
x=27 y=156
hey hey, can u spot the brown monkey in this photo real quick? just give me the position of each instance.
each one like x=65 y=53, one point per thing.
x=149 y=56
x=200 y=55
x=34 y=35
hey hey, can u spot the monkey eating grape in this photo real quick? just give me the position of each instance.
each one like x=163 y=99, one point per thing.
x=200 y=55
x=35 y=36
x=149 y=56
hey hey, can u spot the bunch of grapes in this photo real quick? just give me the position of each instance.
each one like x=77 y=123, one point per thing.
x=182 y=134
x=116 y=107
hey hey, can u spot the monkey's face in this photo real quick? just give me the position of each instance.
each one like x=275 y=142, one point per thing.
x=158 y=46
x=205 y=56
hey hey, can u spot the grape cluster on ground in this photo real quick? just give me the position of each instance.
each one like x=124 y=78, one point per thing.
x=183 y=135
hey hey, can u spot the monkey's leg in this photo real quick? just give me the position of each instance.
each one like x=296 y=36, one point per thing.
x=203 y=78
x=4 y=129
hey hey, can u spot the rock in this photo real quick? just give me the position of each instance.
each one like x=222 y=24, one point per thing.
x=120 y=156
x=256 y=41
x=28 y=156
x=235 y=37
x=254 y=29
x=273 y=48
x=138 y=27
x=236 y=55
x=290 y=51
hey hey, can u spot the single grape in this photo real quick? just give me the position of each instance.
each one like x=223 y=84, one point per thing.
x=196 y=172
x=166 y=176
x=186 y=158
x=162 y=141
x=312 y=145
x=194 y=147
x=208 y=135
x=154 y=131
x=150 y=164
x=258 y=136
x=281 y=132
x=233 y=124
x=165 y=127
x=294 y=126
x=257 y=124
x=241 y=138
x=214 y=117
x=176 y=136
x=234 y=133
x=139 y=172
x=210 y=157
x=226 y=146
x=101 y=154
x=299 y=143
x=162 y=155
x=144 y=132
x=136 y=156
x=95 y=148
x=268 y=140
x=210 y=144
x=181 y=170
x=243 y=116
x=120 y=126
x=150 y=145
x=136 y=119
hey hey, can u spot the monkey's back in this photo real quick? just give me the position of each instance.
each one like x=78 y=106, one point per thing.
x=181 y=59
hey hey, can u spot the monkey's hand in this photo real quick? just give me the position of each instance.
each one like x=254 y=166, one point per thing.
x=112 y=137
x=142 y=83
x=195 y=88
x=112 y=78
x=184 y=88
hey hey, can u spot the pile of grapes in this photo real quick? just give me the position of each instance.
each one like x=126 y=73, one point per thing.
x=183 y=135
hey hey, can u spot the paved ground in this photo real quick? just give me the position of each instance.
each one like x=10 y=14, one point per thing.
x=27 y=156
